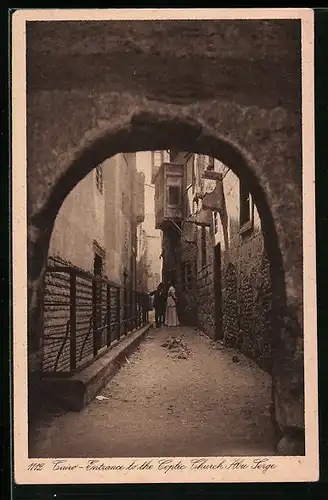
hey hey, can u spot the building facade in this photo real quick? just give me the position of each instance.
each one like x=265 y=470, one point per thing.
x=96 y=227
x=94 y=239
x=151 y=262
x=154 y=245
x=213 y=248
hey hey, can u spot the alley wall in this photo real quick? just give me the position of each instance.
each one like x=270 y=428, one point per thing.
x=98 y=218
x=234 y=307
x=80 y=222
x=245 y=278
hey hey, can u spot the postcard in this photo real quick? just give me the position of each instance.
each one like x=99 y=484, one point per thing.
x=164 y=275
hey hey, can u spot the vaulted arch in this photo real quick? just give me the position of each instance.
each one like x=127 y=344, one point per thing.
x=227 y=89
x=192 y=128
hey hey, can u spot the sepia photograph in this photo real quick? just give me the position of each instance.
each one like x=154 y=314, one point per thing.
x=164 y=246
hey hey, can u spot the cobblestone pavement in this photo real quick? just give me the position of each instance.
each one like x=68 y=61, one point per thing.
x=182 y=396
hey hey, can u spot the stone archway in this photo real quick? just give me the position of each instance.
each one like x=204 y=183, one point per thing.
x=186 y=129
x=216 y=89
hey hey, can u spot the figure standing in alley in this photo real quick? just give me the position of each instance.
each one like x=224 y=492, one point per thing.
x=145 y=308
x=159 y=305
x=171 y=315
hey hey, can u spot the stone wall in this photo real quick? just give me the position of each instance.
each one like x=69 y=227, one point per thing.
x=246 y=282
x=205 y=287
x=255 y=302
x=188 y=288
x=192 y=50
x=205 y=300
x=231 y=333
x=246 y=302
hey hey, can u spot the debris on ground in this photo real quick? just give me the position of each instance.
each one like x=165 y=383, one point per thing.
x=149 y=338
x=235 y=359
x=101 y=398
x=177 y=347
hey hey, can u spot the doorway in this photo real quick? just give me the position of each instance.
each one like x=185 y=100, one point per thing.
x=218 y=293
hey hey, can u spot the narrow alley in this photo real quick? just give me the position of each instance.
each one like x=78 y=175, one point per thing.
x=178 y=394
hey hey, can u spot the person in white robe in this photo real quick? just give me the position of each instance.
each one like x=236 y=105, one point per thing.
x=171 y=315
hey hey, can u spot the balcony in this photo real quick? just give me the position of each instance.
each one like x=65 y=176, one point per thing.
x=168 y=194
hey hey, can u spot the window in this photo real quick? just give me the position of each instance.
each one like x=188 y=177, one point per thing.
x=245 y=206
x=99 y=178
x=203 y=246
x=174 y=195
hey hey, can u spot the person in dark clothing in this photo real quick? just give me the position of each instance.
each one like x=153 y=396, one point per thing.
x=159 y=305
x=145 y=307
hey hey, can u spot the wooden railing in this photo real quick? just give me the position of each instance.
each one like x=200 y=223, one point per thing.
x=85 y=315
